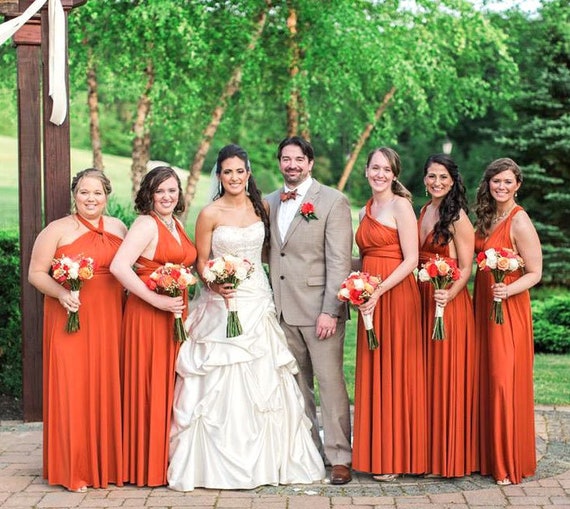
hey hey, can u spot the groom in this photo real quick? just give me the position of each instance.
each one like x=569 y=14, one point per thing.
x=310 y=255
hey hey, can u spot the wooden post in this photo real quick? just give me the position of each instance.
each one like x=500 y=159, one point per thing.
x=32 y=43
x=57 y=153
x=28 y=51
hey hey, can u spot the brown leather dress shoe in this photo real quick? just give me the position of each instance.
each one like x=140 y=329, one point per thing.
x=340 y=474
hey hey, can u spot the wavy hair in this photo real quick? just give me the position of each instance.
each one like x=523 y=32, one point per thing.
x=486 y=206
x=144 y=200
x=453 y=202
x=396 y=166
x=253 y=192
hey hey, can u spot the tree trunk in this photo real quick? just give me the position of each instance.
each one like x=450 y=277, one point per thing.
x=141 y=140
x=93 y=104
x=293 y=102
x=362 y=139
x=232 y=86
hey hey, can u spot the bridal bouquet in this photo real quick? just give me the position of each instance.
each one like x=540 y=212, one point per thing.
x=440 y=272
x=229 y=269
x=172 y=279
x=72 y=271
x=500 y=262
x=356 y=289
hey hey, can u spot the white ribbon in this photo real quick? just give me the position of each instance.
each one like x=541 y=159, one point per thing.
x=367 y=320
x=56 y=19
x=232 y=304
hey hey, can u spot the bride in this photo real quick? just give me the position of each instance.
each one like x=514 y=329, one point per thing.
x=238 y=420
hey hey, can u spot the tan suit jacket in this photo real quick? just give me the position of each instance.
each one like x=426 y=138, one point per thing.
x=308 y=267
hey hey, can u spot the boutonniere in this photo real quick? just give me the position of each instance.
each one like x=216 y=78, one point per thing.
x=308 y=211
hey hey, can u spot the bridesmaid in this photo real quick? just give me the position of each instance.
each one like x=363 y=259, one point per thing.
x=149 y=351
x=390 y=411
x=451 y=364
x=81 y=371
x=507 y=402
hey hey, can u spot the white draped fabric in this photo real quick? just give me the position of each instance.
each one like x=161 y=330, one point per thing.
x=56 y=16
x=239 y=419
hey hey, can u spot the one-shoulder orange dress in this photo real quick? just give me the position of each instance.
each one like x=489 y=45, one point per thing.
x=81 y=374
x=389 y=404
x=452 y=377
x=150 y=352
x=507 y=357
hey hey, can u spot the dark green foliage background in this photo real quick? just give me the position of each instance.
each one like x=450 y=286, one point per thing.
x=10 y=317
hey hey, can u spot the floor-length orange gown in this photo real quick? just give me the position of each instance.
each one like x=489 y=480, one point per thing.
x=507 y=357
x=389 y=403
x=81 y=374
x=150 y=352
x=451 y=377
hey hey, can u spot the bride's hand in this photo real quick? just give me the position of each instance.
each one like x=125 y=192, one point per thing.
x=226 y=290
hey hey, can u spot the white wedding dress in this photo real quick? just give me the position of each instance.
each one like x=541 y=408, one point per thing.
x=238 y=420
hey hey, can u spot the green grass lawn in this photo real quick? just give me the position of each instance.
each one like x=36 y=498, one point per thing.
x=118 y=169
x=551 y=372
x=552 y=379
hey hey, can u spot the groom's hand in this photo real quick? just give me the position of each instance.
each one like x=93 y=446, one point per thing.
x=326 y=326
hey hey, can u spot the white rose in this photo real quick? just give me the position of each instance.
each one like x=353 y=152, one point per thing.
x=513 y=264
x=74 y=271
x=208 y=275
x=491 y=256
x=241 y=273
x=358 y=284
x=423 y=275
x=218 y=266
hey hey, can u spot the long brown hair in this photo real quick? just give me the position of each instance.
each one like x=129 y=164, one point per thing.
x=486 y=206
x=396 y=165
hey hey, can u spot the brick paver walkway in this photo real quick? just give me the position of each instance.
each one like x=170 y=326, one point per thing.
x=21 y=484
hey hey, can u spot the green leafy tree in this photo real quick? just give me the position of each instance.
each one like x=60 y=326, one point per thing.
x=539 y=138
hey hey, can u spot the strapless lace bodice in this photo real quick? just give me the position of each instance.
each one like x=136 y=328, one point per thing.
x=245 y=242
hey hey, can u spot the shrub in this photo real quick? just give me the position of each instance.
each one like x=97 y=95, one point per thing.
x=120 y=211
x=552 y=325
x=10 y=316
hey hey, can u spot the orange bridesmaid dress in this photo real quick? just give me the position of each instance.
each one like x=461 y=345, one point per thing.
x=452 y=377
x=389 y=404
x=507 y=357
x=81 y=374
x=149 y=356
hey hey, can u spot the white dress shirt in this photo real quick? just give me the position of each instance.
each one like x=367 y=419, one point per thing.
x=289 y=208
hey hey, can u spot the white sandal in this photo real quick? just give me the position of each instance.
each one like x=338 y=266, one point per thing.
x=505 y=482
x=83 y=489
x=385 y=477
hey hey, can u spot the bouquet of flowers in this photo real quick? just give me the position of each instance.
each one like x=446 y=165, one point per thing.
x=234 y=270
x=172 y=279
x=72 y=271
x=356 y=289
x=500 y=261
x=440 y=272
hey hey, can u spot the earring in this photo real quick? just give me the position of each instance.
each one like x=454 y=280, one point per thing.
x=516 y=194
x=247 y=187
x=427 y=194
x=219 y=188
